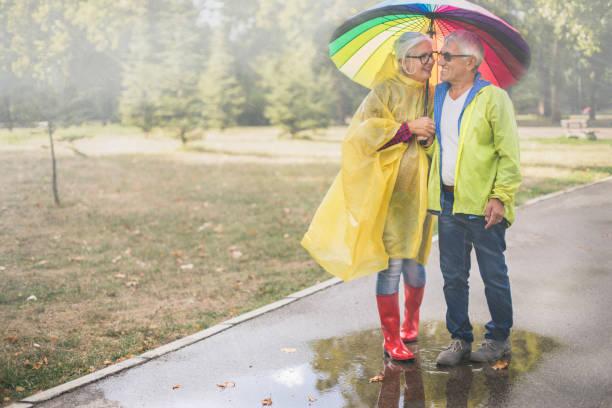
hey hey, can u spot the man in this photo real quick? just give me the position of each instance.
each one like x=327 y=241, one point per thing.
x=472 y=182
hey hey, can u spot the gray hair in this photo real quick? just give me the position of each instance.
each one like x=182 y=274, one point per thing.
x=469 y=43
x=407 y=41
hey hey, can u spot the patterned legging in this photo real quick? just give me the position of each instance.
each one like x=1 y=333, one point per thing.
x=387 y=281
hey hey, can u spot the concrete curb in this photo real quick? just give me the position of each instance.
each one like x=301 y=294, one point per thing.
x=562 y=192
x=211 y=331
x=170 y=347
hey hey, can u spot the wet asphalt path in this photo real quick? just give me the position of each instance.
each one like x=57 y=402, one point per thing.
x=560 y=261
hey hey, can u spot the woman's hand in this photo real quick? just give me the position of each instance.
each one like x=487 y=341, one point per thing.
x=424 y=127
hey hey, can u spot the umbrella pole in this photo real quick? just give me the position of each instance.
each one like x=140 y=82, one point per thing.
x=431 y=33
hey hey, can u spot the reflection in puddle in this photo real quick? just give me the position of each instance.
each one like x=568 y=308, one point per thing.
x=345 y=364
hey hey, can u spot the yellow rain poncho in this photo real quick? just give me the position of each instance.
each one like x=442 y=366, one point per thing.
x=376 y=207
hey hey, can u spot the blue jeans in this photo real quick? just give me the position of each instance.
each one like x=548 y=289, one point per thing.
x=457 y=234
x=387 y=281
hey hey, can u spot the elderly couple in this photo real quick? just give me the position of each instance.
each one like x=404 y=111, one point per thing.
x=399 y=168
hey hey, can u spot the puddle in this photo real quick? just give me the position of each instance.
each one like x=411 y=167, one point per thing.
x=327 y=373
x=344 y=366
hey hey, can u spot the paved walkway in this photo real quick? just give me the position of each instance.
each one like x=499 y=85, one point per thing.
x=326 y=346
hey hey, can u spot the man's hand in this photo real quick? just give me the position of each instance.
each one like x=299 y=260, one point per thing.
x=494 y=212
x=428 y=140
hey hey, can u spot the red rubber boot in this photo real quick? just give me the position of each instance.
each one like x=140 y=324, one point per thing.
x=413 y=298
x=388 y=310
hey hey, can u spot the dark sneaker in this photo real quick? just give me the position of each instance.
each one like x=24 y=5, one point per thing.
x=457 y=351
x=491 y=350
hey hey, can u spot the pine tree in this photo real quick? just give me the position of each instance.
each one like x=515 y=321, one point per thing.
x=299 y=97
x=223 y=97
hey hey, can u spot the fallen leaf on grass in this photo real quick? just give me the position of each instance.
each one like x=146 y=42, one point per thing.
x=37 y=365
x=253 y=232
x=116 y=259
x=311 y=399
x=378 y=378
x=236 y=254
x=119 y=276
x=177 y=254
x=226 y=384
x=19 y=388
x=32 y=297
x=219 y=228
x=176 y=387
x=80 y=325
x=107 y=362
x=266 y=402
x=6 y=399
x=187 y=266
x=45 y=360
x=500 y=365
x=234 y=312
x=204 y=226
x=54 y=337
x=131 y=284
x=288 y=350
x=76 y=259
x=36 y=345
x=11 y=338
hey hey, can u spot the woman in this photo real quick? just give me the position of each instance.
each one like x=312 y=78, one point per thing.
x=374 y=217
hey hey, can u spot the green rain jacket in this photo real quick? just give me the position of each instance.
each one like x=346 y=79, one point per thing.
x=487 y=153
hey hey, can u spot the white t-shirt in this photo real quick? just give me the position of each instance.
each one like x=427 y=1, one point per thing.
x=449 y=131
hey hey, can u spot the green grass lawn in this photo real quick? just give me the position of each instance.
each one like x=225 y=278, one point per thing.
x=147 y=248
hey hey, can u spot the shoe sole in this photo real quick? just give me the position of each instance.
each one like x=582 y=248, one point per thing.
x=464 y=358
x=507 y=355
x=408 y=360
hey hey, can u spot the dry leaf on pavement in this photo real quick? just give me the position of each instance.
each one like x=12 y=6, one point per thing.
x=266 y=402
x=176 y=386
x=378 y=378
x=311 y=399
x=500 y=365
x=226 y=384
x=288 y=350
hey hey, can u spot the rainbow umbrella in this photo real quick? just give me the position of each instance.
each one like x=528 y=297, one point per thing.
x=361 y=45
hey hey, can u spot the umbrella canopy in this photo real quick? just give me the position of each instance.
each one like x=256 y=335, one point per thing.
x=361 y=46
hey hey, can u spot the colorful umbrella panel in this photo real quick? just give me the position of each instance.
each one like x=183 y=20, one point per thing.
x=361 y=45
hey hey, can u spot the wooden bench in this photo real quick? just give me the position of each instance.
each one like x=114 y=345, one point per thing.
x=577 y=128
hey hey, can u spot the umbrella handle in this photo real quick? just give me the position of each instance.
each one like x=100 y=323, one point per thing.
x=424 y=142
x=431 y=33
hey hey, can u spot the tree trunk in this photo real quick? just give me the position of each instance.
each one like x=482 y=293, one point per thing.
x=54 y=182
x=555 y=113
x=183 y=138
x=544 y=102
x=9 y=117
x=593 y=95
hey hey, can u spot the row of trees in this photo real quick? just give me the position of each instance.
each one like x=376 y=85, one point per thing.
x=186 y=65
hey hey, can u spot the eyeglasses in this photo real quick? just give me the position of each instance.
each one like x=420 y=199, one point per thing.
x=424 y=58
x=448 y=57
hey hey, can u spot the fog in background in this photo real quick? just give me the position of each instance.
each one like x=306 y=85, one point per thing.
x=209 y=64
